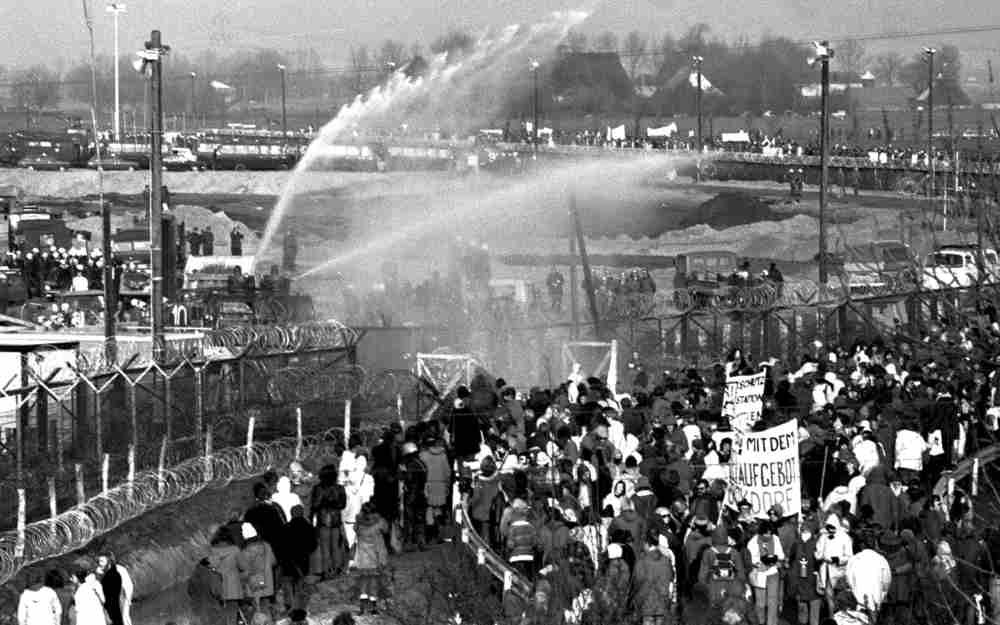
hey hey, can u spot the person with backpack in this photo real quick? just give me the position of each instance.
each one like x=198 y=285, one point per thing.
x=223 y=572
x=256 y=564
x=654 y=583
x=414 y=497
x=328 y=499
x=722 y=571
x=766 y=558
x=300 y=542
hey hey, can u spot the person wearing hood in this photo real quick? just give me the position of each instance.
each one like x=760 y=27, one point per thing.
x=385 y=474
x=118 y=588
x=833 y=549
x=654 y=583
x=766 y=559
x=902 y=565
x=880 y=497
x=223 y=559
x=284 y=498
x=613 y=586
x=466 y=431
x=359 y=488
x=415 y=497
x=328 y=499
x=88 y=601
x=370 y=556
x=616 y=498
x=521 y=539
x=722 y=571
x=256 y=563
x=266 y=516
x=869 y=576
x=629 y=524
x=38 y=604
x=438 y=483
x=485 y=490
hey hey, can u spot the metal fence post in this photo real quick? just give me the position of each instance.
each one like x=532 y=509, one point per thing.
x=199 y=402
x=81 y=488
x=133 y=413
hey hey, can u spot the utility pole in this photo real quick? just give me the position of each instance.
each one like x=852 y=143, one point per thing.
x=284 y=118
x=153 y=57
x=535 y=102
x=588 y=278
x=930 y=121
x=823 y=55
x=117 y=8
x=697 y=60
x=110 y=295
x=194 y=105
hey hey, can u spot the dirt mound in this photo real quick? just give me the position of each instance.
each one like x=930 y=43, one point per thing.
x=729 y=209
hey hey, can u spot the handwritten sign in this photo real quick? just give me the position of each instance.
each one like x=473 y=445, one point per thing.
x=743 y=400
x=765 y=470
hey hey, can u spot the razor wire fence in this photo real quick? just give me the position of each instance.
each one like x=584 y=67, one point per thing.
x=145 y=490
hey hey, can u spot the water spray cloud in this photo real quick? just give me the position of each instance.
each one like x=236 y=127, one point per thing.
x=457 y=94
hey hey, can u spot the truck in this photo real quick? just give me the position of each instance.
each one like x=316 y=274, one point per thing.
x=710 y=279
x=958 y=266
x=879 y=268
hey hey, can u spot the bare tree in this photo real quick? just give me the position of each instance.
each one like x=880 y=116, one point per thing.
x=606 y=42
x=850 y=56
x=635 y=48
x=36 y=88
x=887 y=66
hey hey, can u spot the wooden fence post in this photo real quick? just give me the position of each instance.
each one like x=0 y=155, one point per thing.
x=81 y=488
x=975 y=477
x=199 y=402
x=60 y=451
x=161 y=466
x=250 y=426
x=208 y=454
x=347 y=423
x=105 y=466
x=298 y=433
x=399 y=411
x=53 y=500
x=133 y=410
x=130 y=478
x=22 y=515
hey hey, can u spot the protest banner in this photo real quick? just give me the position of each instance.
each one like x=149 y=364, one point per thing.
x=765 y=470
x=743 y=400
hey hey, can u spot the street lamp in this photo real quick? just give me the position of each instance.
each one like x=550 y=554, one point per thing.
x=535 y=65
x=823 y=53
x=116 y=8
x=284 y=118
x=696 y=62
x=194 y=107
x=930 y=52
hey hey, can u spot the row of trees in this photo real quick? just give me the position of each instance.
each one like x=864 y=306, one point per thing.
x=748 y=76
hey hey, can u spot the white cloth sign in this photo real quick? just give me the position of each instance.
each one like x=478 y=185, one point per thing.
x=765 y=470
x=743 y=401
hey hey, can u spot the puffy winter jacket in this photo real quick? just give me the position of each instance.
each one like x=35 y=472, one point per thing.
x=653 y=584
x=39 y=606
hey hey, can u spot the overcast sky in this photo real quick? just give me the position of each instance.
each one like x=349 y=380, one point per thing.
x=39 y=30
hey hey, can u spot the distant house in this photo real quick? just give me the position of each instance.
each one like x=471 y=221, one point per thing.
x=840 y=82
x=579 y=76
x=882 y=98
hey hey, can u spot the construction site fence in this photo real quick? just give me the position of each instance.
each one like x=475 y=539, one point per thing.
x=63 y=425
x=142 y=491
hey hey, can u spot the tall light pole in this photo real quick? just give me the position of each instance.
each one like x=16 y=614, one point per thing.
x=535 y=65
x=116 y=8
x=696 y=61
x=823 y=55
x=151 y=64
x=284 y=118
x=930 y=52
x=194 y=107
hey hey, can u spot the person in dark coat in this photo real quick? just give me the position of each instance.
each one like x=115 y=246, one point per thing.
x=386 y=459
x=880 y=497
x=207 y=242
x=803 y=574
x=327 y=502
x=466 y=432
x=299 y=540
x=654 y=583
x=414 y=497
x=266 y=517
x=236 y=242
x=897 y=605
x=111 y=584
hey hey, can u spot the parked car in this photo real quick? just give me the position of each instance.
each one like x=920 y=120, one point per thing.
x=879 y=268
x=958 y=266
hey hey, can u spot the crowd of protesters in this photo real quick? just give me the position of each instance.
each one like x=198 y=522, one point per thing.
x=615 y=507
x=98 y=591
